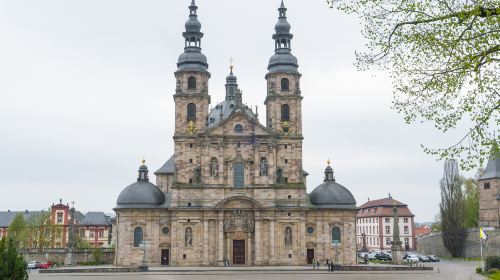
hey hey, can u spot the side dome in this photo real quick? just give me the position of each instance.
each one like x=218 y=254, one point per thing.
x=140 y=194
x=330 y=194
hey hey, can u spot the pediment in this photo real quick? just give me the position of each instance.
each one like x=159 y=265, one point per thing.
x=238 y=202
x=250 y=126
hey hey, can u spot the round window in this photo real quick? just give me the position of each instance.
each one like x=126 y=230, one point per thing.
x=238 y=128
x=165 y=230
x=310 y=230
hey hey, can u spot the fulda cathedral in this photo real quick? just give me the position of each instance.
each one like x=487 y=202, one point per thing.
x=235 y=190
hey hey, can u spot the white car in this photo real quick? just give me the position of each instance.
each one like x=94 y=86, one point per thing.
x=33 y=264
x=412 y=259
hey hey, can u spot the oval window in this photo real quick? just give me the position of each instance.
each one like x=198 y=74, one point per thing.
x=310 y=230
x=165 y=230
x=238 y=128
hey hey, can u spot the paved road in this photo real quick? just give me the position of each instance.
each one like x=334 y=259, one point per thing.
x=456 y=270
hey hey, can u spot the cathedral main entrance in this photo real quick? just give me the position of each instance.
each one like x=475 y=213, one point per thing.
x=238 y=251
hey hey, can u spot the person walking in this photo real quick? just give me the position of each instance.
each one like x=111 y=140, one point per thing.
x=314 y=263
x=318 y=263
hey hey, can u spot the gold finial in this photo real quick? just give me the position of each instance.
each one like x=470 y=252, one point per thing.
x=328 y=162
x=143 y=161
x=231 y=60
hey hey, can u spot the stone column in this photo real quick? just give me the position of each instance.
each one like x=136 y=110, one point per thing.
x=205 y=242
x=302 y=239
x=271 y=241
x=258 y=239
x=220 y=235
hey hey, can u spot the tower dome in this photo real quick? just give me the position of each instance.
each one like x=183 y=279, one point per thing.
x=330 y=194
x=141 y=194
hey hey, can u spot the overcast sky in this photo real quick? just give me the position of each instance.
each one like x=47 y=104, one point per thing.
x=86 y=91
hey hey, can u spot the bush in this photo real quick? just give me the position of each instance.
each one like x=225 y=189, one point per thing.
x=492 y=262
x=479 y=270
x=98 y=255
x=12 y=264
x=495 y=276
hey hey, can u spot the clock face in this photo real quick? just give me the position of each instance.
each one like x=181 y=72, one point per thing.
x=285 y=127
x=165 y=230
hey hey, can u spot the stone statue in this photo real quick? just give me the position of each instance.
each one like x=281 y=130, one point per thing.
x=188 y=236
x=214 y=167
x=288 y=236
x=279 y=176
x=263 y=167
x=197 y=174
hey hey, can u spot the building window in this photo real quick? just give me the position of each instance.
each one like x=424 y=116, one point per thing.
x=486 y=185
x=59 y=233
x=405 y=220
x=238 y=128
x=239 y=175
x=310 y=230
x=101 y=233
x=192 y=83
x=336 y=235
x=387 y=230
x=165 y=230
x=91 y=234
x=285 y=112
x=406 y=230
x=285 y=84
x=387 y=220
x=137 y=236
x=387 y=241
x=82 y=233
x=191 y=112
x=59 y=218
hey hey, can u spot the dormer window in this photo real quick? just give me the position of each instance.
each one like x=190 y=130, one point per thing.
x=486 y=185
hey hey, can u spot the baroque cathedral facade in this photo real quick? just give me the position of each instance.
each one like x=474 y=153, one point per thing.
x=235 y=190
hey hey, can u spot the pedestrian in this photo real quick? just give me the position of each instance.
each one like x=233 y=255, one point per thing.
x=314 y=263
x=327 y=263
x=365 y=258
x=318 y=263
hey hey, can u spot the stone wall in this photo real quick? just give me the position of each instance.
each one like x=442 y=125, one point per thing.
x=59 y=255
x=432 y=244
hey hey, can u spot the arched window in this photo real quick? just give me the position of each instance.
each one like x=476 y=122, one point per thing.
x=239 y=175
x=238 y=128
x=285 y=112
x=336 y=235
x=191 y=82
x=191 y=112
x=285 y=84
x=137 y=236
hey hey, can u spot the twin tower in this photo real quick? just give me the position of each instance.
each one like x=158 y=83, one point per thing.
x=283 y=101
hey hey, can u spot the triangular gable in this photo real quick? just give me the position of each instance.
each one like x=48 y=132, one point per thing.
x=226 y=126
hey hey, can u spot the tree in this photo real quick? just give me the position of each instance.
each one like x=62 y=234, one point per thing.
x=452 y=208
x=18 y=230
x=40 y=225
x=12 y=264
x=443 y=57
x=472 y=200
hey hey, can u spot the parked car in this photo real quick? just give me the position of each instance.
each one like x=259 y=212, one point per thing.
x=45 y=265
x=362 y=254
x=433 y=258
x=383 y=256
x=412 y=259
x=422 y=258
x=33 y=264
x=372 y=256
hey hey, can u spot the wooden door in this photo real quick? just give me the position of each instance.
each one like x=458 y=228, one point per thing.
x=238 y=251
x=310 y=256
x=164 y=256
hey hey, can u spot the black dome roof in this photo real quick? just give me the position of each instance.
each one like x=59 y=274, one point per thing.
x=331 y=194
x=141 y=194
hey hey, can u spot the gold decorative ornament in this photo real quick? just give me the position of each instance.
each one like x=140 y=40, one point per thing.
x=191 y=128
x=285 y=127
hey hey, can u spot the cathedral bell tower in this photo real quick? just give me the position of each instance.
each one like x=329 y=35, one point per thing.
x=284 y=100
x=191 y=93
